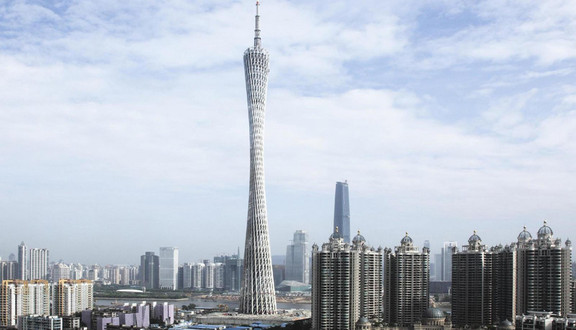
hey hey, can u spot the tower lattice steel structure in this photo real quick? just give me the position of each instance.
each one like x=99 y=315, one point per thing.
x=257 y=295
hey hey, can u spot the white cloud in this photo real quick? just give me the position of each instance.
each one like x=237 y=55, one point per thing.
x=515 y=30
x=136 y=111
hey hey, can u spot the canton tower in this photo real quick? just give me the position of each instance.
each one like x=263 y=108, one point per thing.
x=257 y=295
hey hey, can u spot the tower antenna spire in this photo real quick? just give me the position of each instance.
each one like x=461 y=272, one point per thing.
x=257 y=40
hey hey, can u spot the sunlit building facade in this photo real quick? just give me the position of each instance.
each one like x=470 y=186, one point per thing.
x=346 y=283
x=406 y=283
x=168 y=271
x=21 y=298
x=257 y=295
x=72 y=296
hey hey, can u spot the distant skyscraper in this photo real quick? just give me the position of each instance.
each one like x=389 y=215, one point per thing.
x=406 y=283
x=39 y=260
x=544 y=268
x=8 y=270
x=150 y=271
x=187 y=276
x=60 y=271
x=219 y=275
x=168 y=268
x=448 y=248
x=23 y=262
x=346 y=283
x=232 y=271
x=257 y=295
x=298 y=258
x=342 y=210
x=197 y=275
x=437 y=267
x=427 y=244
x=208 y=274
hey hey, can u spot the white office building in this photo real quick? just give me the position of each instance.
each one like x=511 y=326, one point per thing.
x=169 y=268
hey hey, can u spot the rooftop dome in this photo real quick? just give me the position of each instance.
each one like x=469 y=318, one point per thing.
x=506 y=323
x=336 y=234
x=358 y=239
x=524 y=236
x=568 y=242
x=545 y=231
x=363 y=320
x=406 y=240
x=433 y=313
x=474 y=238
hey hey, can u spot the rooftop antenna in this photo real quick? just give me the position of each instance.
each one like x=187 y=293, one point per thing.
x=257 y=40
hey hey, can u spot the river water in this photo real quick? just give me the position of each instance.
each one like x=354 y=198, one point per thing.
x=193 y=300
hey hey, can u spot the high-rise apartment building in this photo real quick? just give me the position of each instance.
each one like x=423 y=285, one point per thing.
x=197 y=275
x=219 y=275
x=128 y=275
x=23 y=262
x=505 y=281
x=113 y=273
x=257 y=295
x=573 y=294
x=76 y=271
x=60 y=271
x=39 y=260
x=483 y=284
x=168 y=268
x=346 y=283
x=72 y=296
x=298 y=259
x=187 y=276
x=208 y=274
x=150 y=271
x=21 y=298
x=8 y=270
x=406 y=283
x=544 y=273
x=472 y=285
x=232 y=271
x=342 y=210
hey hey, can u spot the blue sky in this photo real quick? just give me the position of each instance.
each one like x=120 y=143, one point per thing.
x=123 y=124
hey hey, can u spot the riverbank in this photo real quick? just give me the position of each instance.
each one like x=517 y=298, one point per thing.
x=199 y=301
x=140 y=296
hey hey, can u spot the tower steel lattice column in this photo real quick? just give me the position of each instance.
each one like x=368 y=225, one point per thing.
x=257 y=295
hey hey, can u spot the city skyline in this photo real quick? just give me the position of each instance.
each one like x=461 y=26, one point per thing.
x=130 y=117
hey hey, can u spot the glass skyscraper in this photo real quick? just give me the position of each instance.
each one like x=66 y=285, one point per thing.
x=298 y=258
x=168 y=268
x=342 y=210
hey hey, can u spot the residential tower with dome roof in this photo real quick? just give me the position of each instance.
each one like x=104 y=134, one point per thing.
x=543 y=272
x=406 y=283
x=346 y=282
x=492 y=285
x=483 y=284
